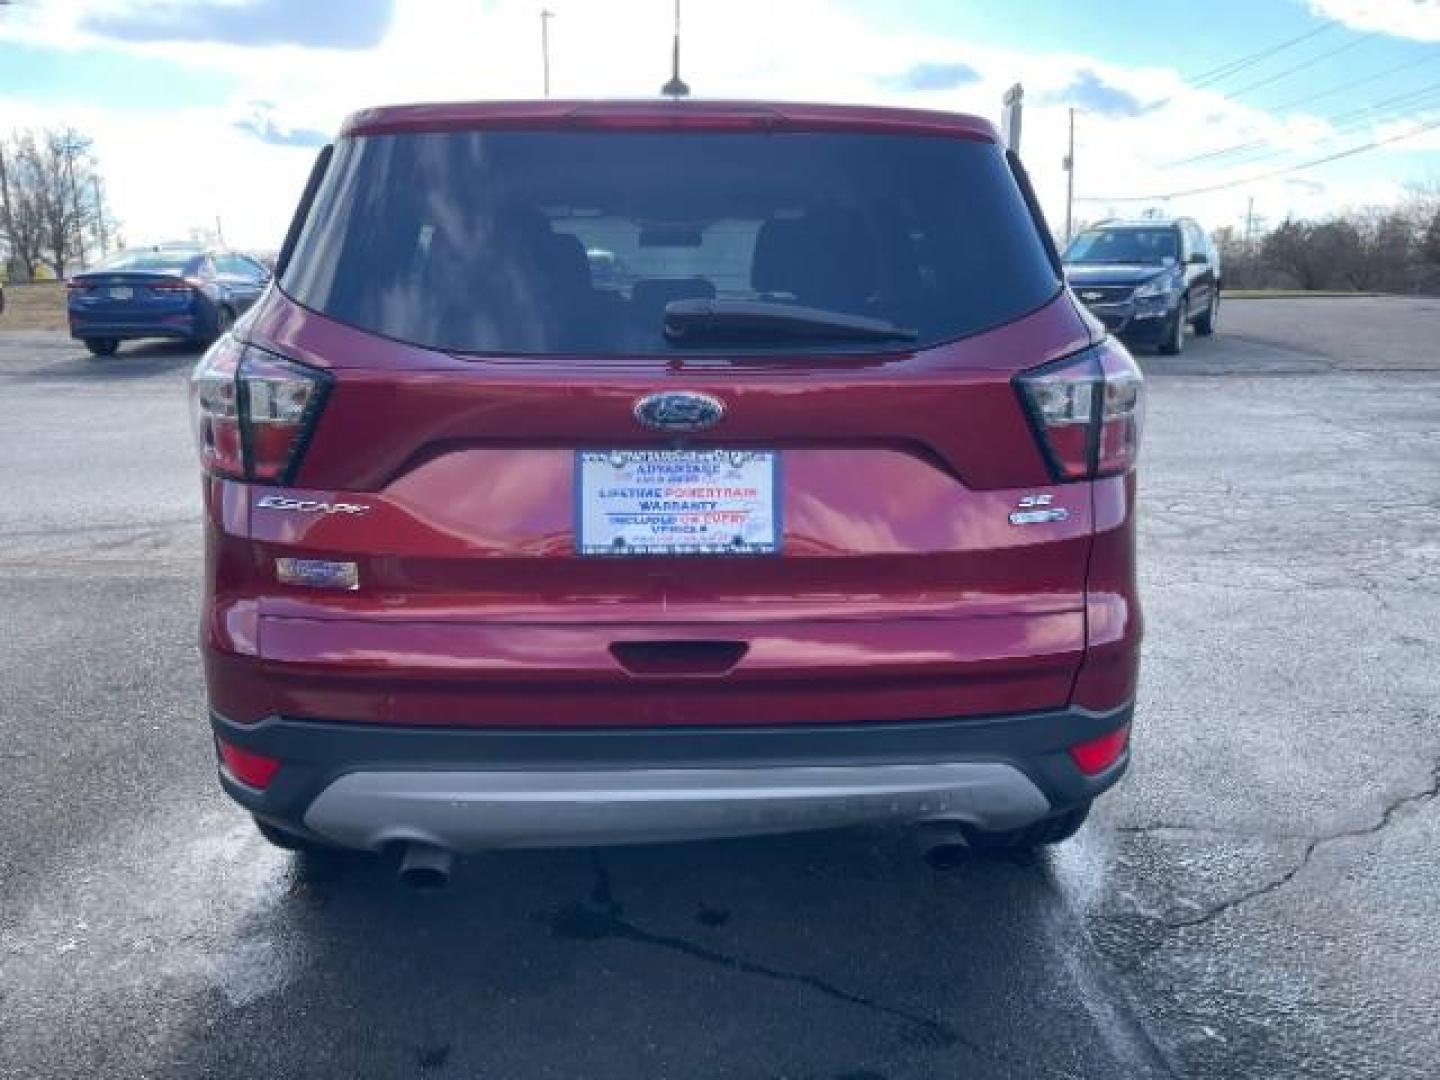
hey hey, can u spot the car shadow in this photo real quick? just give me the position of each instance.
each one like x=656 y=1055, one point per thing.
x=135 y=360
x=1225 y=353
x=839 y=954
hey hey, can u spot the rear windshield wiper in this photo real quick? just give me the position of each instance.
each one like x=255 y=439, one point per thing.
x=694 y=321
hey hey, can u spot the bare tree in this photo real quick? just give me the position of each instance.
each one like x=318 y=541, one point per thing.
x=1430 y=240
x=1387 y=249
x=21 y=223
x=66 y=216
x=1380 y=248
x=1291 y=250
x=50 y=202
x=1242 y=264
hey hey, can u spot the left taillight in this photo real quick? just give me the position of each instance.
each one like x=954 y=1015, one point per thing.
x=215 y=409
x=1086 y=411
x=253 y=411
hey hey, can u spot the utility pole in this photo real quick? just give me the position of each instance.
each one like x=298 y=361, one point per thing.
x=6 y=222
x=676 y=87
x=1070 y=182
x=219 y=232
x=545 y=16
x=70 y=149
x=5 y=200
x=100 y=216
x=1249 y=223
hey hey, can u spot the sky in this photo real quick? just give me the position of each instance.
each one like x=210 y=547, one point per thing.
x=214 y=109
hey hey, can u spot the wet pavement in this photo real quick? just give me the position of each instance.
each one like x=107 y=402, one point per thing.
x=1257 y=899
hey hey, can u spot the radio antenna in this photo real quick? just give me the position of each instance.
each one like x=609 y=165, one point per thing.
x=676 y=87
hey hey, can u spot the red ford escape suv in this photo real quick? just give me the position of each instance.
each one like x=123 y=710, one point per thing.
x=600 y=473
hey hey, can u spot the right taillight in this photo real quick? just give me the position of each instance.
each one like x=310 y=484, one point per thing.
x=176 y=286
x=1086 y=410
x=253 y=411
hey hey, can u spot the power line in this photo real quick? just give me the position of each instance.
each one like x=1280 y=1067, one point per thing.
x=1220 y=74
x=1409 y=97
x=1205 y=78
x=1429 y=58
x=1374 y=144
x=1310 y=62
x=1224 y=151
x=1413 y=97
x=1345 y=130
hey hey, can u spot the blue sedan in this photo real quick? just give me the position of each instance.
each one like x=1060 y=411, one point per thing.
x=185 y=293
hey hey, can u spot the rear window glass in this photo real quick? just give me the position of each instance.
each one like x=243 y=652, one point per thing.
x=152 y=262
x=541 y=242
x=1125 y=246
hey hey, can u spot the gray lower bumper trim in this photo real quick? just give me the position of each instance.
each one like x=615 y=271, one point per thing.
x=473 y=810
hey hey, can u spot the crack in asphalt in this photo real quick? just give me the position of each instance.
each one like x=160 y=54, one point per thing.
x=155 y=526
x=1206 y=830
x=1313 y=844
x=602 y=916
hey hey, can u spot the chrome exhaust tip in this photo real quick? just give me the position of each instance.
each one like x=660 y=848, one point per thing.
x=943 y=844
x=425 y=867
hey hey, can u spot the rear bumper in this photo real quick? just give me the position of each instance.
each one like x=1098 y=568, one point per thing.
x=364 y=786
x=1146 y=331
x=184 y=327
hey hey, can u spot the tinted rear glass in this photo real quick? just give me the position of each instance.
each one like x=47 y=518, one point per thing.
x=1127 y=245
x=152 y=262
x=537 y=242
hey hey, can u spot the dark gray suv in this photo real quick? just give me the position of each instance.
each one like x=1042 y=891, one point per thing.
x=1148 y=279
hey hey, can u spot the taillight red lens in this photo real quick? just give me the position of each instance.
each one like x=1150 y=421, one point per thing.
x=1121 y=413
x=215 y=409
x=253 y=411
x=278 y=402
x=255 y=770
x=1097 y=755
x=1086 y=410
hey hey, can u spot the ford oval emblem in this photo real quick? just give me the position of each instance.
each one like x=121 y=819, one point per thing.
x=679 y=410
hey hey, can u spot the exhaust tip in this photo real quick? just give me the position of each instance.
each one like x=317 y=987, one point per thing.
x=947 y=856
x=943 y=844
x=425 y=867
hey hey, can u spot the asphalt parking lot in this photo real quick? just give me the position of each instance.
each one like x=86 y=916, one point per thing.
x=1259 y=898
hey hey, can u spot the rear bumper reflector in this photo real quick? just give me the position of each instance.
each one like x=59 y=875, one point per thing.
x=1097 y=755
x=249 y=768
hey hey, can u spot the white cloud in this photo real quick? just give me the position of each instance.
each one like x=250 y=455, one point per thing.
x=1415 y=19
x=169 y=172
